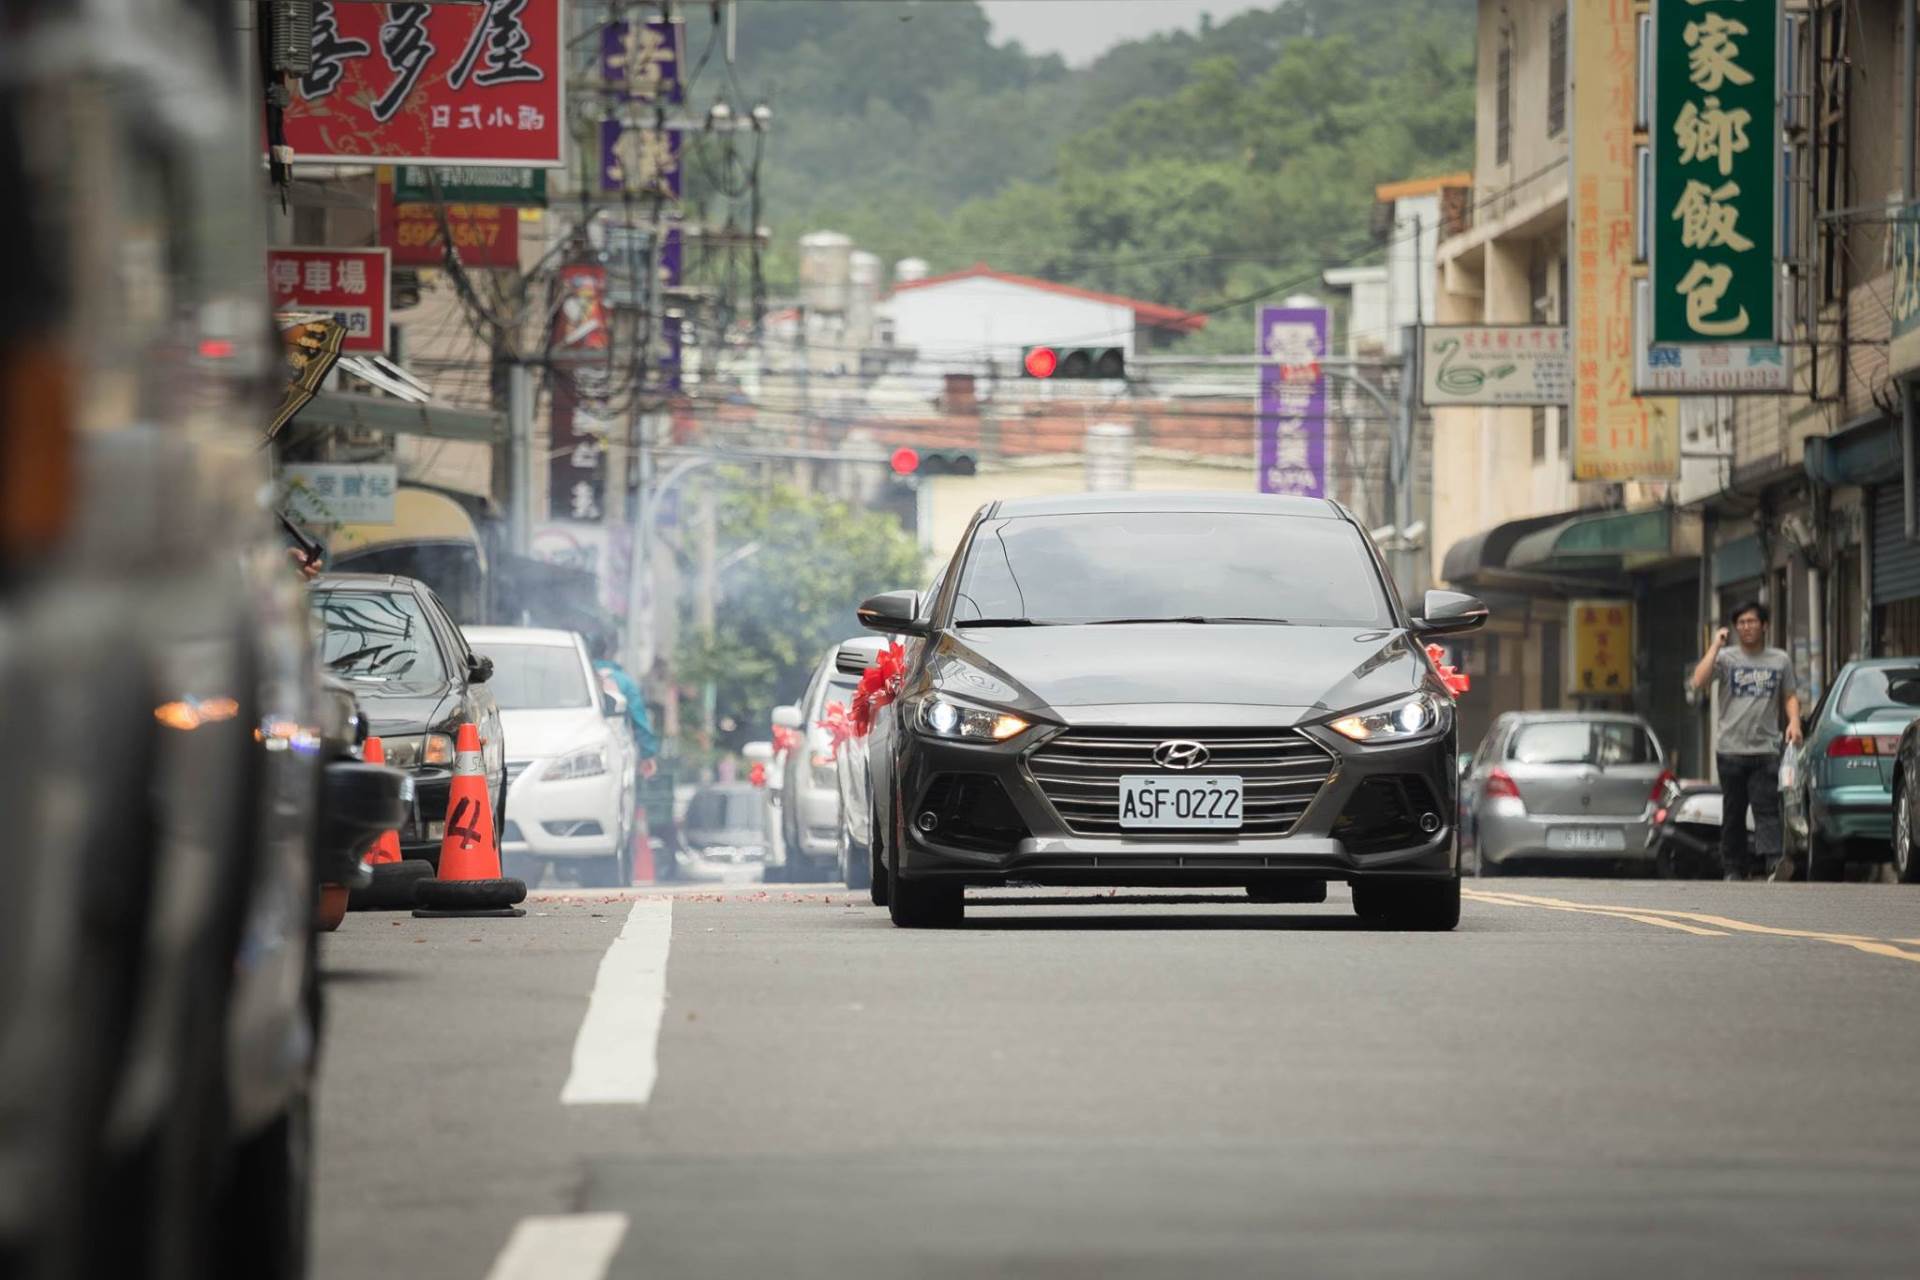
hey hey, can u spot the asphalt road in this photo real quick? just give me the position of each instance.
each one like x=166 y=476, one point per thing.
x=1588 y=1078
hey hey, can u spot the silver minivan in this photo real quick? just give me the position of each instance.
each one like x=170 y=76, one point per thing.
x=1564 y=786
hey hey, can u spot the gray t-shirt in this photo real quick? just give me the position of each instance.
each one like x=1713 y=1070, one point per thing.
x=1753 y=694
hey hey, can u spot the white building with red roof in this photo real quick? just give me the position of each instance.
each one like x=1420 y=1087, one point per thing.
x=960 y=321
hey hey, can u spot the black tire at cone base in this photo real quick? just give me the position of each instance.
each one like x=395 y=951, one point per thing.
x=1417 y=905
x=468 y=895
x=392 y=887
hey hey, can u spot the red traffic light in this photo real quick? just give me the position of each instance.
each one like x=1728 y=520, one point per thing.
x=1042 y=361
x=905 y=461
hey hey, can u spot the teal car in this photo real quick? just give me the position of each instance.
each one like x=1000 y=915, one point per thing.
x=1839 y=808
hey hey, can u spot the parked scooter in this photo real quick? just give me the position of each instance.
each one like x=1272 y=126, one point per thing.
x=1685 y=836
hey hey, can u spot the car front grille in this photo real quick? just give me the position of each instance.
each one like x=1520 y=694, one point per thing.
x=1080 y=773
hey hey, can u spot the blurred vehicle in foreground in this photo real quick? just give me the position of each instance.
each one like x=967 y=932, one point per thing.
x=855 y=839
x=170 y=802
x=572 y=764
x=811 y=829
x=1563 y=787
x=1839 y=808
x=418 y=681
x=1906 y=821
x=724 y=831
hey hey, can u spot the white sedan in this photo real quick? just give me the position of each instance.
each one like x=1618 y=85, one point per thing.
x=572 y=766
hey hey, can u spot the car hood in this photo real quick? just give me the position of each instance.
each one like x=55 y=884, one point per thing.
x=532 y=734
x=396 y=708
x=1086 y=674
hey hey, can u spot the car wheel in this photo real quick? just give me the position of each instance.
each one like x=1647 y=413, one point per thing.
x=878 y=878
x=925 y=904
x=524 y=866
x=600 y=873
x=1906 y=867
x=1417 y=905
x=1825 y=859
x=856 y=862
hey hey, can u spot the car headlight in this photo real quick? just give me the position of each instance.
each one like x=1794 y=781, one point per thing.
x=413 y=753
x=589 y=762
x=942 y=718
x=1413 y=717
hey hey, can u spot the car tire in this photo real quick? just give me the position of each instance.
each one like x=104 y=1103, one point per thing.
x=879 y=879
x=1423 y=906
x=925 y=904
x=856 y=863
x=1824 y=861
x=1906 y=866
x=600 y=873
x=468 y=895
x=1484 y=868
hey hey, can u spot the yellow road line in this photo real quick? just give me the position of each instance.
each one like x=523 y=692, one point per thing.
x=1859 y=942
x=1504 y=900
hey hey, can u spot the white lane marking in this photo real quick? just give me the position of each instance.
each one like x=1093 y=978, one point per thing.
x=615 y=1055
x=574 y=1246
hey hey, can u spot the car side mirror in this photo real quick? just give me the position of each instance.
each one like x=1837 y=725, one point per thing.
x=613 y=704
x=757 y=753
x=894 y=613
x=1445 y=613
x=479 y=668
x=787 y=718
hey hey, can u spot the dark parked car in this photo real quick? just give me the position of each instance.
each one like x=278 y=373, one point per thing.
x=417 y=681
x=1840 y=808
x=1181 y=689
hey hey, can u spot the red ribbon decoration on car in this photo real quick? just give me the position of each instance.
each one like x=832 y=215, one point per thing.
x=838 y=726
x=1457 y=681
x=785 y=739
x=878 y=686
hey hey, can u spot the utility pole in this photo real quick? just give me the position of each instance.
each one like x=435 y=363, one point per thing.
x=520 y=457
x=704 y=592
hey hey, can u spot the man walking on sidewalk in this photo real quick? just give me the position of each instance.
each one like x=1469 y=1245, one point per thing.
x=1756 y=686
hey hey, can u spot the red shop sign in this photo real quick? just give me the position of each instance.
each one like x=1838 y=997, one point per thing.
x=432 y=84
x=484 y=235
x=349 y=284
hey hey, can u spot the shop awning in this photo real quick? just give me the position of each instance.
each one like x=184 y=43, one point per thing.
x=1603 y=540
x=1477 y=554
x=381 y=413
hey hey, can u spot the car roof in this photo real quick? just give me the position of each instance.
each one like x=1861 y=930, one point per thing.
x=364 y=582
x=1224 y=503
x=552 y=637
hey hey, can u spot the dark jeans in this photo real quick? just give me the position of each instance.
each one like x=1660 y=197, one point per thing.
x=1749 y=780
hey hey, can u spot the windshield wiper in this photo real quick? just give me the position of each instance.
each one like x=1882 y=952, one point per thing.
x=1192 y=619
x=1001 y=622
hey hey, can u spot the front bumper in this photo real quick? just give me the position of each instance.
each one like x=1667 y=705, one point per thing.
x=576 y=818
x=1049 y=851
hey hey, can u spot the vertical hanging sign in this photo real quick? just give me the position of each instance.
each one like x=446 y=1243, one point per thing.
x=1616 y=435
x=640 y=64
x=1715 y=136
x=1293 y=401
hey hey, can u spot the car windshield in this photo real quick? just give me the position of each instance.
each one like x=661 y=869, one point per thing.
x=1874 y=691
x=1595 y=742
x=724 y=811
x=530 y=677
x=1143 y=566
x=376 y=635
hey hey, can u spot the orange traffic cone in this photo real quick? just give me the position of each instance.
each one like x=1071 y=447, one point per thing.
x=469 y=882
x=643 y=872
x=387 y=847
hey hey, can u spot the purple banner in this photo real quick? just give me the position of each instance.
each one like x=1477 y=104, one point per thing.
x=641 y=61
x=639 y=160
x=1293 y=401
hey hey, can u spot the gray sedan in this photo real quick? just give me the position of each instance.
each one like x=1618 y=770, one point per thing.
x=1561 y=786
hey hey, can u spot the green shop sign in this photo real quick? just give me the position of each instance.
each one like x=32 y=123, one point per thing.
x=472 y=184
x=1716 y=155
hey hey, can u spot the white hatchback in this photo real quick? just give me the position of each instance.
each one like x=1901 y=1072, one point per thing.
x=572 y=766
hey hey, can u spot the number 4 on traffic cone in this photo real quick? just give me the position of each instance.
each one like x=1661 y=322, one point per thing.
x=469 y=882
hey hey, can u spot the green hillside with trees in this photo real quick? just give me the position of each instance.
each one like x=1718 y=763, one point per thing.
x=1195 y=169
